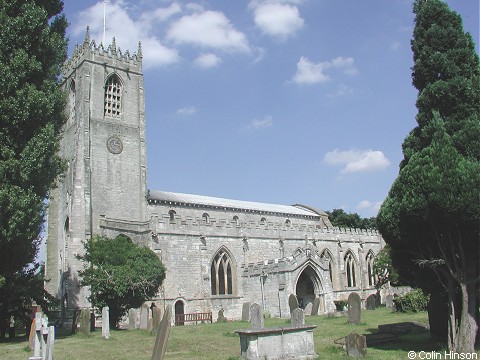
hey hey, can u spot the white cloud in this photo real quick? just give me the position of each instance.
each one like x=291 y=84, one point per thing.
x=357 y=160
x=256 y=124
x=312 y=73
x=276 y=18
x=162 y=14
x=188 y=110
x=127 y=31
x=209 y=29
x=367 y=205
x=207 y=61
x=342 y=90
x=395 y=46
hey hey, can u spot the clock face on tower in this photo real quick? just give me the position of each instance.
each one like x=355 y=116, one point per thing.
x=114 y=144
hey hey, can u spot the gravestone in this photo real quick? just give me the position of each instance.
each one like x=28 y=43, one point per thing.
x=144 y=311
x=371 y=302
x=162 y=335
x=292 y=302
x=132 y=319
x=298 y=317
x=157 y=315
x=221 y=318
x=85 y=321
x=354 y=308
x=315 y=306
x=356 y=345
x=105 y=323
x=389 y=301
x=256 y=316
x=246 y=311
x=308 y=308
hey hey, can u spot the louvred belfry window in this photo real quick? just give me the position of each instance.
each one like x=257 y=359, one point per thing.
x=113 y=98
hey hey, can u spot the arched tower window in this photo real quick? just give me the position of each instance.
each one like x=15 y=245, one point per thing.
x=263 y=221
x=206 y=218
x=222 y=274
x=350 y=267
x=327 y=256
x=288 y=223
x=113 y=98
x=236 y=220
x=171 y=215
x=370 y=273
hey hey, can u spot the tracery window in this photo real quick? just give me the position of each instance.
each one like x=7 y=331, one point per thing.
x=113 y=92
x=222 y=274
x=370 y=273
x=350 y=266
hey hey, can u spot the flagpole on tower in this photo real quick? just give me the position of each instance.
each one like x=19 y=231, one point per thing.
x=104 y=20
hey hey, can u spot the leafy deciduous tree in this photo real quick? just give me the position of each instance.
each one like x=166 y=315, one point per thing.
x=32 y=50
x=432 y=213
x=338 y=217
x=121 y=275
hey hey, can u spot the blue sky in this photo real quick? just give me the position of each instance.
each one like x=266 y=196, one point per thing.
x=277 y=101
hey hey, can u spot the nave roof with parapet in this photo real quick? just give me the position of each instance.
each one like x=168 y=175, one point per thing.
x=215 y=202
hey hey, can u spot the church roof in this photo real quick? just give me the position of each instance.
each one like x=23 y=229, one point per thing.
x=209 y=201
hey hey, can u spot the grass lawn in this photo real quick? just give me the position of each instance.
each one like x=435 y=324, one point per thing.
x=219 y=341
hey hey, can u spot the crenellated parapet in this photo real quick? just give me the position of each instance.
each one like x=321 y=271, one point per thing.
x=112 y=55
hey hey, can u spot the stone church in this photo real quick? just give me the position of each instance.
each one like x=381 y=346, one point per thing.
x=219 y=253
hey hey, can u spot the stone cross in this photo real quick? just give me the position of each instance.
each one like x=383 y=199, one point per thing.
x=354 y=308
x=298 y=317
x=315 y=306
x=132 y=319
x=292 y=302
x=162 y=335
x=105 y=323
x=256 y=316
x=246 y=311
x=356 y=345
x=144 y=312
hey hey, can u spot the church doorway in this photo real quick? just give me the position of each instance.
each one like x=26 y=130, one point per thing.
x=308 y=288
x=179 y=313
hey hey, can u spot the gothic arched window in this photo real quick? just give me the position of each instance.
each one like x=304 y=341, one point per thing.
x=171 y=215
x=113 y=96
x=236 y=220
x=222 y=276
x=263 y=221
x=206 y=218
x=370 y=273
x=350 y=267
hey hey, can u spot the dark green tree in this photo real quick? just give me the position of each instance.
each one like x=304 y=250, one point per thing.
x=431 y=216
x=32 y=50
x=383 y=269
x=120 y=274
x=338 y=217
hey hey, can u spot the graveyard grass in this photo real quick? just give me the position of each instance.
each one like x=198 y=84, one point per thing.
x=219 y=341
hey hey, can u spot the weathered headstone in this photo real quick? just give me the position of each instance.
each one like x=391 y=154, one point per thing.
x=371 y=302
x=389 y=301
x=162 y=335
x=144 y=312
x=308 y=308
x=105 y=323
x=292 y=302
x=132 y=319
x=246 y=311
x=298 y=317
x=157 y=315
x=354 y=308
x=221 y=318
x=85 y=321
x=256 y=316
x=356 y=345
x=315 y=306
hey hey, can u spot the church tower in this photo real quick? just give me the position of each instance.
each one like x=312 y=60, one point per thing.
x=103 y=189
